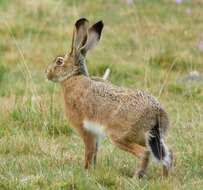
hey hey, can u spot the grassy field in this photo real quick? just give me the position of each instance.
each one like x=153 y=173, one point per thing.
x=149 y=45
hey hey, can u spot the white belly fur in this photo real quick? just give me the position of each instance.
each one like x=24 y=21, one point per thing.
x=95 y=128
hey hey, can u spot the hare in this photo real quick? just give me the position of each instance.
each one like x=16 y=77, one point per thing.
x=132 y=119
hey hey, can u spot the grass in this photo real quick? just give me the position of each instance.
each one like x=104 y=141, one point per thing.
x=149 y=45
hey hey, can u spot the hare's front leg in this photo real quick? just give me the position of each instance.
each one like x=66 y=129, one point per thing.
x=90 y=141
x=91 y=146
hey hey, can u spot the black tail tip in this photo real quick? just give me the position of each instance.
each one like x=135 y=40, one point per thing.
x=155 y=143
x=157 y=147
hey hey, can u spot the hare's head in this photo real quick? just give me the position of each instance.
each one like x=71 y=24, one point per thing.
x=72 y=63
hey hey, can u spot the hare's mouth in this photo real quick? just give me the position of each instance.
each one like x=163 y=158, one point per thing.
x=62 y=77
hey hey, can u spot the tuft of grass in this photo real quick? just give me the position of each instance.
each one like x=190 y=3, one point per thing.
x=168 y=60
x=187 y=90
x=3 y=72
x=31 y=115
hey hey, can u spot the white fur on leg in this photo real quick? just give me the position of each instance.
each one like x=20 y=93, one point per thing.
x=95 y=128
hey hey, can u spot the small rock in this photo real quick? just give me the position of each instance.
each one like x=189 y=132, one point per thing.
x=189 y=11
x=129 y=2
x=179 y=1
x=200 y=45
x=193 y=75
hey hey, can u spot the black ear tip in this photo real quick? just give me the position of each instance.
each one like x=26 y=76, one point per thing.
x=99 y=26
x=80 y=21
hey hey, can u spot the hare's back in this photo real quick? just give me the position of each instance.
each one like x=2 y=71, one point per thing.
x=128 y=97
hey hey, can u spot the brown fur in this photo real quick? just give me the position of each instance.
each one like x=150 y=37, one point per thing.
x=128 y=115
x=127 y=112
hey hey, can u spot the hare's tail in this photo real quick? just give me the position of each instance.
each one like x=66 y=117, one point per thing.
x=157 y=146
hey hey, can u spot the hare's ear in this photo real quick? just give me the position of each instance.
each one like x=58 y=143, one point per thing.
x=93 y=36
x=79 y=35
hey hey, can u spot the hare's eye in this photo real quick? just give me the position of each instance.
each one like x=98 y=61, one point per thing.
x=59 y=61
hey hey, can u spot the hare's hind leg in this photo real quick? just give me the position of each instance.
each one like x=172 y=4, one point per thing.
x=168 y=167
x=143 y=165
x=137 y=150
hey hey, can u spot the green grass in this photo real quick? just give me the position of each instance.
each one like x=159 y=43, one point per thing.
x=150 y=45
